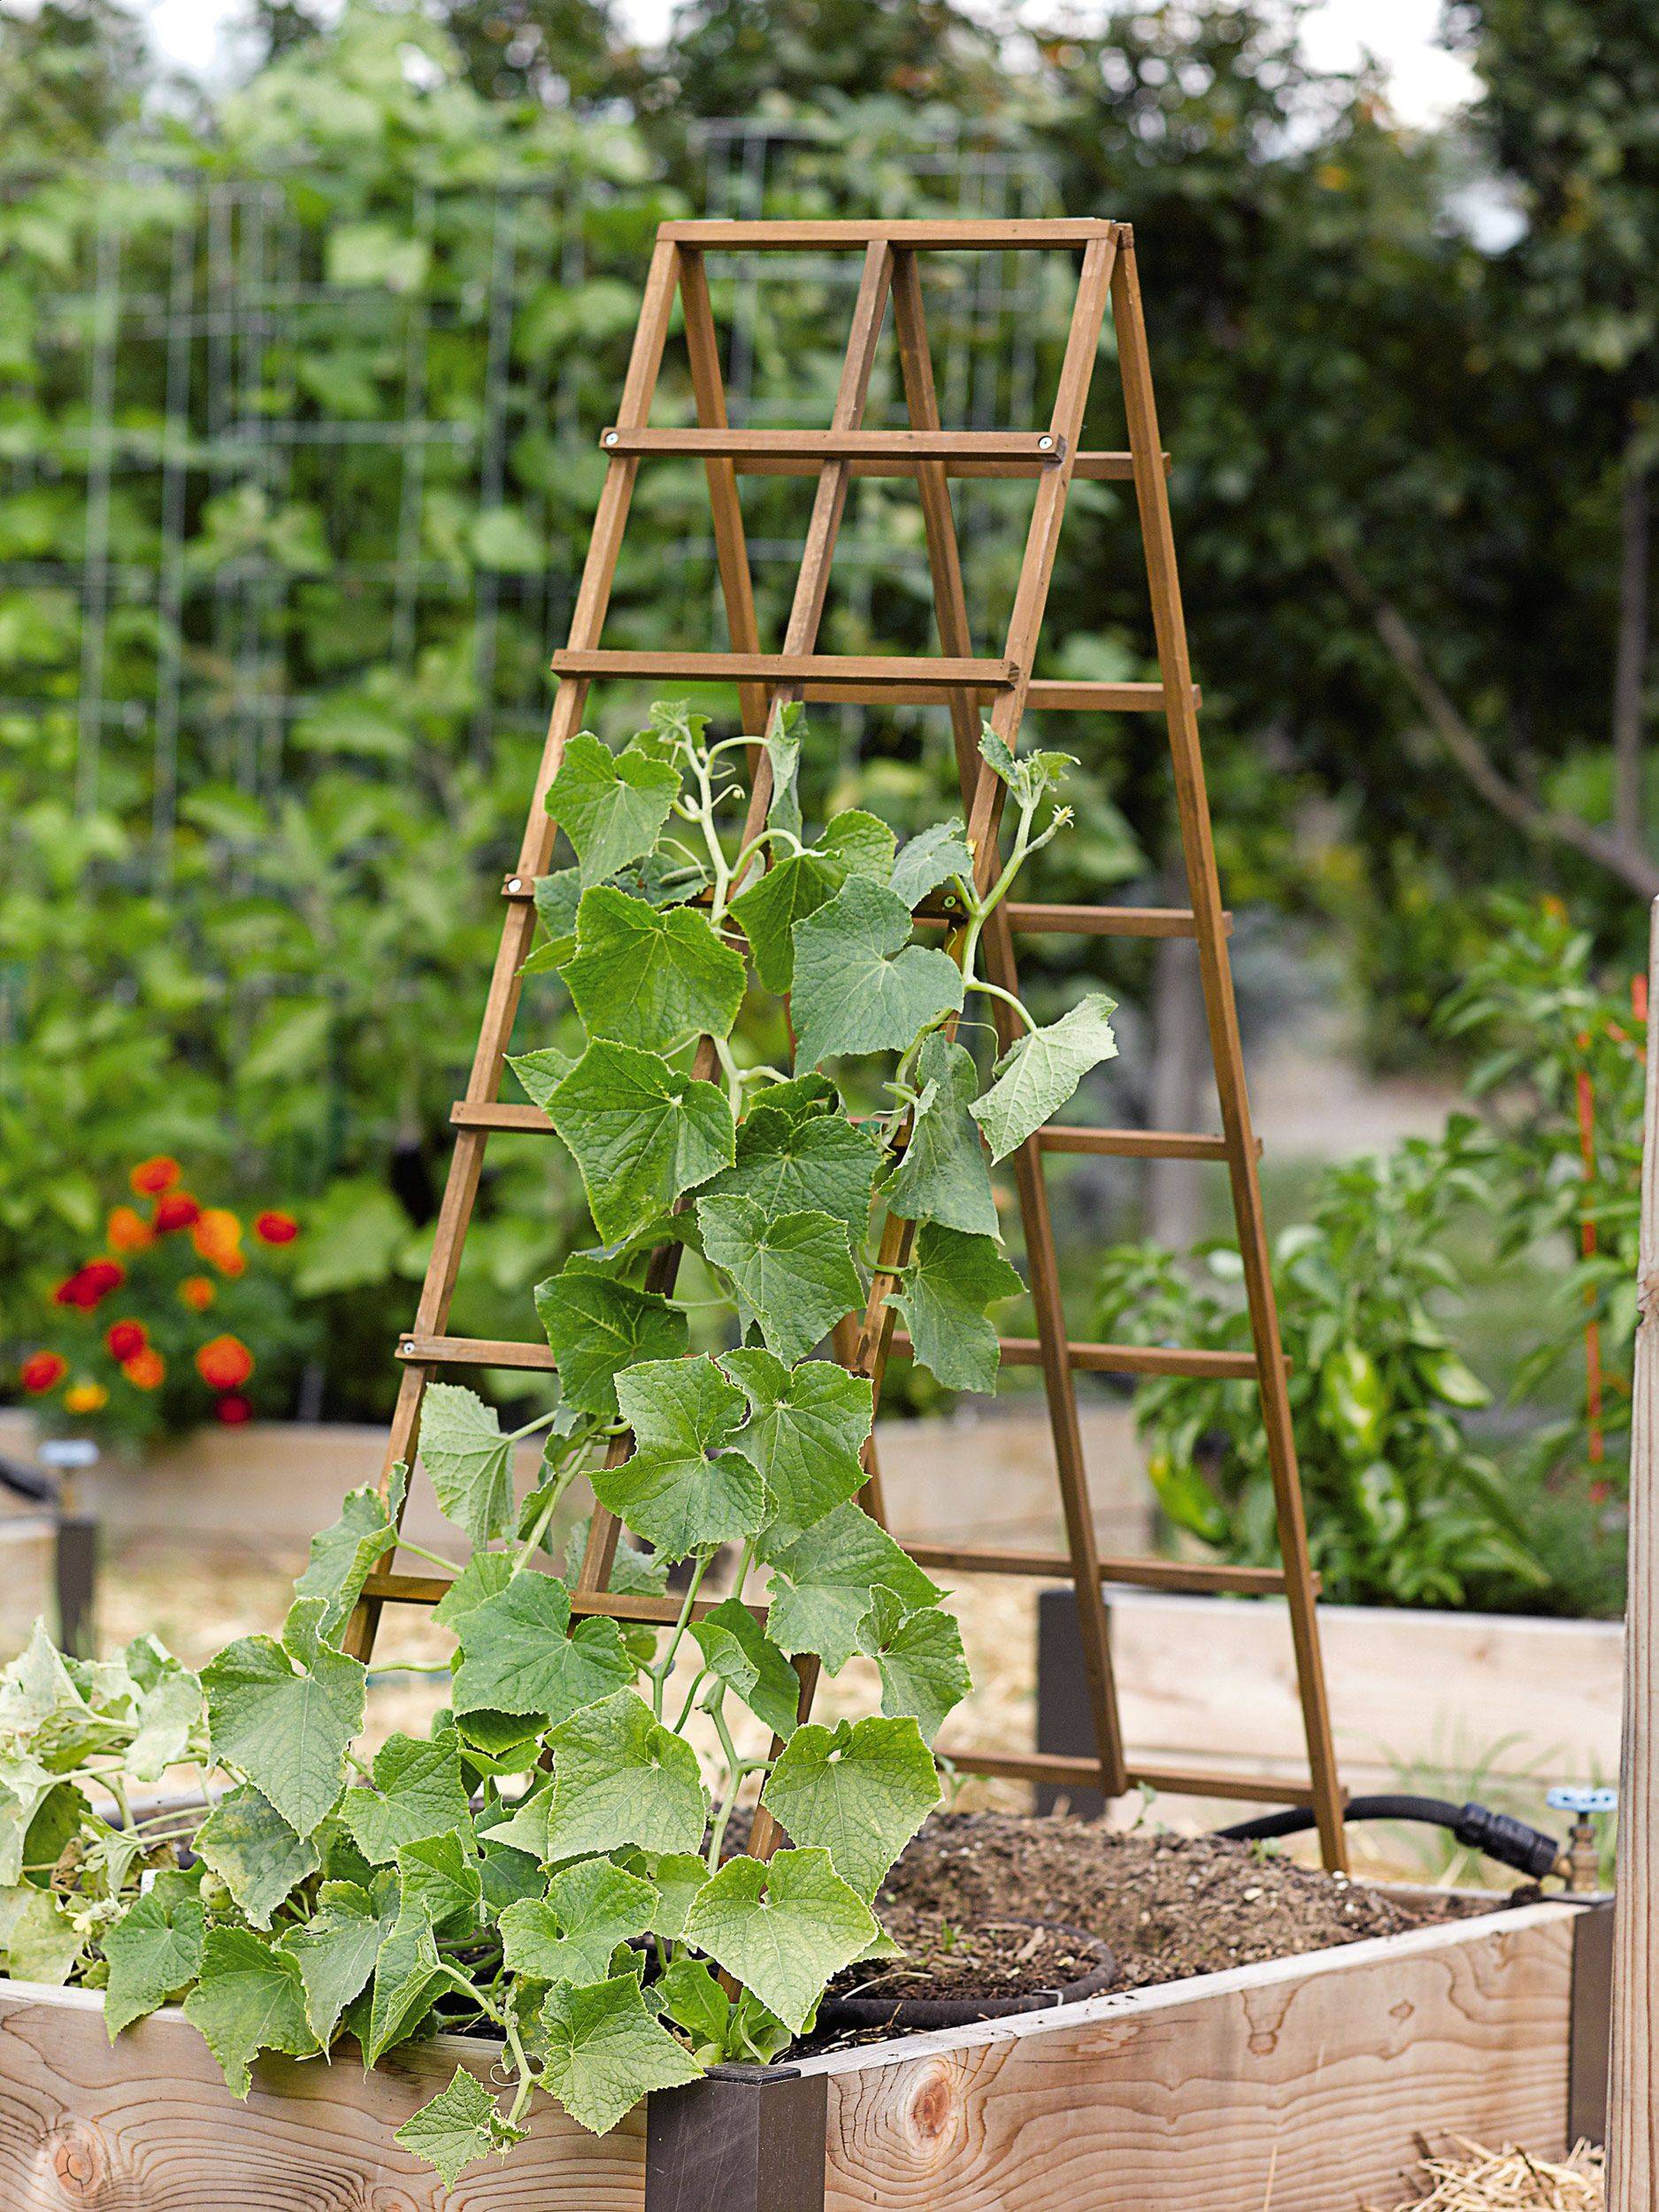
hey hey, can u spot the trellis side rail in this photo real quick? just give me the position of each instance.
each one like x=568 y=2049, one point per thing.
x=1001 y=687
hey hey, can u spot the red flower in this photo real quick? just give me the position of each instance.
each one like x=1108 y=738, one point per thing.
x=233 y=1410
x=43 y=1371
x=224 y=1363
x=88 y=1284
x=150 y=1178
x=275 y=1228
x=177 y=1211
x=125 y=1339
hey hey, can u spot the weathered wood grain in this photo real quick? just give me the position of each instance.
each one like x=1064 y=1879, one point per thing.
x=1301 y=2085
x=1632 y=2134
x=148 y=2125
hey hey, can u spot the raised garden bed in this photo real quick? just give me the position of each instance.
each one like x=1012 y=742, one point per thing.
x=1305 y=2081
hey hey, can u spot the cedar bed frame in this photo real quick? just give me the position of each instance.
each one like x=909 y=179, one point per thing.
x=1303 y=2085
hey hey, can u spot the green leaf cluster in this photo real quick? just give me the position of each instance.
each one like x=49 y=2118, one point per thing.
x=550 y=1861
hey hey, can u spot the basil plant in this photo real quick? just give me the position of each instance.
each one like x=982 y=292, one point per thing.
x=549 y=1865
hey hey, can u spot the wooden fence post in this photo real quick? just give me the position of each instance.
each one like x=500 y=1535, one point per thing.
x=1632 y=2133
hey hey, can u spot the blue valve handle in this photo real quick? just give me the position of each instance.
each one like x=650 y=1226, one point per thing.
x=1564 y=1799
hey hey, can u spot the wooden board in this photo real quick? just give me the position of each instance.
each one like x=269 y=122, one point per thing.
x=1303 y=2085
x=148 y=2125
x=1299 y=2086
x=1457 y=1694
x=1632 y=2142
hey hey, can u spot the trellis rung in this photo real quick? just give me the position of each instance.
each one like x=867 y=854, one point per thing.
x=1017 y=1351
x=1080 y=1773
x=1101 y=467
x=1034 y=920
x=520 y=1119
x=1050 y=696
x=832 y=670
x=1134 y=1144
x=1119 y=1359
x=1086 y=921
x=476 y=1351
x=1196 y=1577
x=613 y=1605
x=919 y=234
x=1038 y=449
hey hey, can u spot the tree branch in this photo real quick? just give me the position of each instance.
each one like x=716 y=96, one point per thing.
x=1545 y=824
x=1630 y=666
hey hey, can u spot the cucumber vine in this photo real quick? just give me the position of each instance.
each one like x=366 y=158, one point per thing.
x=549 y=1866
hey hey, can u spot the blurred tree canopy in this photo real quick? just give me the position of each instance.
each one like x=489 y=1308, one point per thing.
x=1406 y=378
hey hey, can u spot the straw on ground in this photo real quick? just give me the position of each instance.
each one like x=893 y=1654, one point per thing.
x=1471 y=2179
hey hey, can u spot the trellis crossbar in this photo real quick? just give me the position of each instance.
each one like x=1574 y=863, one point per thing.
x=1004 y=688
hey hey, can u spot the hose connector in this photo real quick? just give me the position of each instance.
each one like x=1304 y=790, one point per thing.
x=1511 y=1843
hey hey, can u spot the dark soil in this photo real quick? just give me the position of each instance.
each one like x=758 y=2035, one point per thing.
x=1168 y=1906
x=993 y=1958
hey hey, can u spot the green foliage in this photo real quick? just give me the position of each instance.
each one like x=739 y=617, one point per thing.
x=1402 y=1507
x=454 y=1881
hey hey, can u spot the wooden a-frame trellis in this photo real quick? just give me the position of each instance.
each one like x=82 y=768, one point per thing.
x=1004 y=687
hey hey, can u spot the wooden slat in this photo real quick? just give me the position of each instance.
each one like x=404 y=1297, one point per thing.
x=1083 y=1773
x=1109 y=468
x=468 y=1113
x=806 y=615
x=1044 y=920
x=784 y=236
x=830 y=670
x=1203 y=885
x=1302 y=2084
x=1132 y=1144
x=1197 y=1577
x=1031 y=919
x=1632 y=2127
x=1119 y=1359
x=535 y=851
x=1272 y=1789
x=1055 y=697
x=1031 y=596
x=1040 y=447
x=731 y=546
x=148 y=2122
x=611 y=1605
x=476 y=1351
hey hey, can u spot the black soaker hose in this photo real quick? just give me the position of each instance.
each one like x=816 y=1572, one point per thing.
x=1494 y=1835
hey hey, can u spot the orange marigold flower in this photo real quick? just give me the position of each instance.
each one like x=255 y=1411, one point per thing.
x=233 y=1410
x=217 y=1236
x=224 y=1363
x=129 y=1230
x=197 y=1293
x=150 y=1178
x=125 y=1338
x=232 y=1263
x=85 y=1397
x=43 y=1371
x=272 y=1227
x=146 y=1370
x=176 y=1211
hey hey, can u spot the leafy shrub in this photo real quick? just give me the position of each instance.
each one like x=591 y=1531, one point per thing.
x=1561 y=1078
x=548 y=1864
x=1403 y=1509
